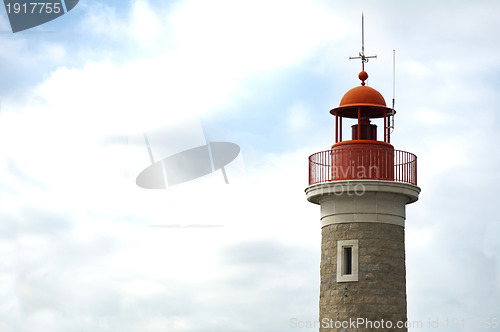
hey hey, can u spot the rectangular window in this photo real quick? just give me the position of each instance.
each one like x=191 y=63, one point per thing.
x=347 y=260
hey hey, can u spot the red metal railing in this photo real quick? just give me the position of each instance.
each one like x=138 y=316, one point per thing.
x=359 y=164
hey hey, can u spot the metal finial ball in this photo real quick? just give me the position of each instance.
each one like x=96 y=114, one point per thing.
x=363 y=76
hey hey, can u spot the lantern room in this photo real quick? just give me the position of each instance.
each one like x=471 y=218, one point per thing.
x=364 y=156
x=368 y=155
x=364 y=104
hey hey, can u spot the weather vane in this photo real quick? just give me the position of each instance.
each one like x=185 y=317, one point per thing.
x=364 y=58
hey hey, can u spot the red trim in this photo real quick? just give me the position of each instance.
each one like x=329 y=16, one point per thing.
x=359 y=122
x=336 y=127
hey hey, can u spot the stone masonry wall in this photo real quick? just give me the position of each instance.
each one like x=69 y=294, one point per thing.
x=380 y=292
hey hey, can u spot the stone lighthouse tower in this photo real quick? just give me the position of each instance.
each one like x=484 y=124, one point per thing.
x=362 y=186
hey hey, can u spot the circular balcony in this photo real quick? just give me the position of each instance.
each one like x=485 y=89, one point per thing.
x=370 y=163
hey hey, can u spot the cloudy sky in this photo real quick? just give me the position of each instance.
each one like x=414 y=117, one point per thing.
x=85 y=249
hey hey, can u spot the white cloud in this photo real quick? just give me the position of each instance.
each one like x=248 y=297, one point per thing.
x=146 y=25
x=298 y=118
x=101 y=19
x=143 y=287
x=250 y=36
x=75 y=228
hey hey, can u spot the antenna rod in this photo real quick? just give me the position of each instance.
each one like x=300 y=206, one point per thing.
x=393 y=78
x=362 y=55
x=364 y=58
x=391 y=118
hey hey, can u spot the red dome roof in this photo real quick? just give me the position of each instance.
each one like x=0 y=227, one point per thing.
x=362 y=98
x=363 y=95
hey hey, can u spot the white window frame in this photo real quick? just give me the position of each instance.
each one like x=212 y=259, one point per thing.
x=341 y=263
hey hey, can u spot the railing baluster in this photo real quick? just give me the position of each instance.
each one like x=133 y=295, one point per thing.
x=343 y=164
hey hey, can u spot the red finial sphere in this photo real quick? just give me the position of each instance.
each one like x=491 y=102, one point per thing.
x=363 y=76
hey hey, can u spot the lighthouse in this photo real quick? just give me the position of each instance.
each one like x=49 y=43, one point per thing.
x=363 y=185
